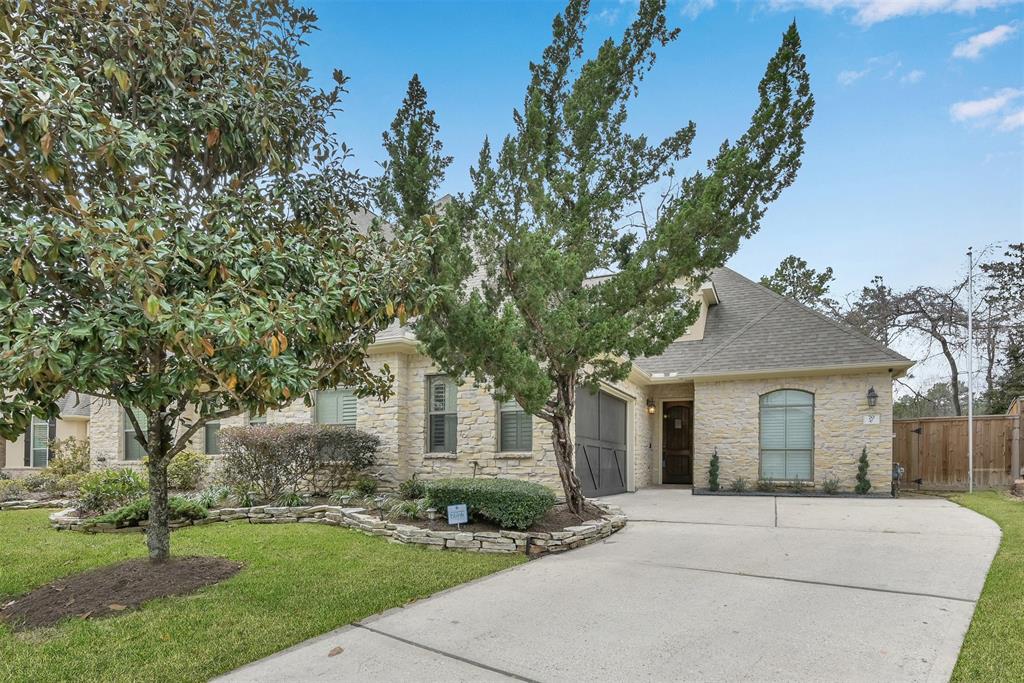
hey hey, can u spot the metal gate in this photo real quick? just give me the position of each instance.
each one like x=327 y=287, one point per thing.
x=600 y=443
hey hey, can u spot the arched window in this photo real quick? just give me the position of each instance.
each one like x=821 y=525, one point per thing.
x=787 y=435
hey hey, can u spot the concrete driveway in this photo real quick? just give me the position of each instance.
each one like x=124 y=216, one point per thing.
x=694 y=588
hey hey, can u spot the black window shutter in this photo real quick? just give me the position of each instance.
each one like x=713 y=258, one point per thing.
x=28 y=445
x=53 y=430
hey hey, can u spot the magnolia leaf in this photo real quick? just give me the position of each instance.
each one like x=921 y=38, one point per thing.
x=207 y=346
x=28 y=272
x=402 y=315
x=46 y=143
x=275 y=347
x=390 y=308
x=73 y=201
x=231 y=382
x=153 y=306
x=213 y=137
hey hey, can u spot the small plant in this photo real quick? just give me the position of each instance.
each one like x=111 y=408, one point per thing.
x=766 y=485
x=106 y=490
x=179 y=508
x=69 y=456
x=187 y=470
x=863 y=485
x=830 y=486
x=211 y=496
x=412 y=489
x=244 y=498
x=739 y=485
x=37 y=481
x=66 y=485
x=342 y=497
x=796 y=487
x=713 y=472
x=11 y=489
x=366 y=486
x=4 y=476
x=405 y=509
x=291 y=499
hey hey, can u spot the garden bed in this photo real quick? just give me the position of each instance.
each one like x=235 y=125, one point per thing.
x=114 y=589
x=548 y=536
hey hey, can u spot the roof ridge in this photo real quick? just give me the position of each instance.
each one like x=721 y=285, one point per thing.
x=731 y=339
x=842 y=327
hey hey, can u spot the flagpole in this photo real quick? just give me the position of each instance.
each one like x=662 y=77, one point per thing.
x=970 y=369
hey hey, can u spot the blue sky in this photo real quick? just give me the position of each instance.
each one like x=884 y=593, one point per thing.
x=916 y=150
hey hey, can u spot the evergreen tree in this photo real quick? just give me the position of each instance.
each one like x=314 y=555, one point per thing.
x=549 y=209
x=793 y=278
x=713 y=472
x=863 y=485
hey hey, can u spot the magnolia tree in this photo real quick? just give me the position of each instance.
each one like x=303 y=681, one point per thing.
x=552 y=207
x=174 y=216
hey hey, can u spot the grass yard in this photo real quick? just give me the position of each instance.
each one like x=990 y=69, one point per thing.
x=994 y=647
x=299 y=580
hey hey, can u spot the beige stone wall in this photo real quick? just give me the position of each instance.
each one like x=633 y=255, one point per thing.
x=726 y=416
x=106 y=435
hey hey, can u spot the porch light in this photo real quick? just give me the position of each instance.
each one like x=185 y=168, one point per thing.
x=651 y=407
x=872 y=397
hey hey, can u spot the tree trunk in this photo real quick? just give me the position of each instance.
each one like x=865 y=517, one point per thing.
x=158 y=535
x=954 y=376
x=561 y=438
x=565 y=457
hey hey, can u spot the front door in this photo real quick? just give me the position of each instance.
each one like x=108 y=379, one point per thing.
x=677 y=444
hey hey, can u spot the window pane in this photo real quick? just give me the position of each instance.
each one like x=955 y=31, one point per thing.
x=516 y=430
x=133 y=449
x=773 y=465
x=442 y=433
x=212 y=438
x=40 y=445
x=799 y=427
x=773 y=428
x=798 y=464
x=336 y=407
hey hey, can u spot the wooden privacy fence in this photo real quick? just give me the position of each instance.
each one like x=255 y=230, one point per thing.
x=934 y=449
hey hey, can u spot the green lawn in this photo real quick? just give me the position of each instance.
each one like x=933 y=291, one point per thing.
x=994 y=647
x=299 y=580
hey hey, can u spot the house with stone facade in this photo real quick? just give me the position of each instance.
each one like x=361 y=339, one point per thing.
x=31 y=451
x=778 y=390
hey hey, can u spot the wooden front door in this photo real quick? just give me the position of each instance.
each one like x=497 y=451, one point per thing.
x=677 y=444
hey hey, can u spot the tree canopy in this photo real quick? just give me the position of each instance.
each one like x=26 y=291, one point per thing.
x=793 y=278
x=177 y=217
x=558 y=273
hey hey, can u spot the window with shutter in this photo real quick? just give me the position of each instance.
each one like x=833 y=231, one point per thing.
x=515 y=428
x=787 y=435
x=442 y=414
x=336 y=407
x=133 y=449
x=40 y=437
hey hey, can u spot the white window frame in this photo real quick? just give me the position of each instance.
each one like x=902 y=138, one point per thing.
x=33 y=446
x=345 y=393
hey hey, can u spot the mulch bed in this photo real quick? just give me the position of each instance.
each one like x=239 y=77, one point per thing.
x=114 y=589
x=556 y=519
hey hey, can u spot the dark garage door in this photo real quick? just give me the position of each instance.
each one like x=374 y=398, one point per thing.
x=600 y=443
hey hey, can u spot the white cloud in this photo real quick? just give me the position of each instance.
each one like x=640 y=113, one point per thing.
x=976 y=109
x=691 y=8
x=608 y=15
x=913 y=76
x=975 y=45
x=1012 y=121
x=849 y=77
x=868 y=12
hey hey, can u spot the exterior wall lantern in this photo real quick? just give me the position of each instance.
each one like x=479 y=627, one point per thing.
x=651 y=407
x=872 y=397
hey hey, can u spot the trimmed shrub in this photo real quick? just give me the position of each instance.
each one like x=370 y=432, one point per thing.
x=509 y=503
x=366 y=486
x=412 y=489
x=11 y=489
x=268 y=460
x=863 y=485
x=105 y=490
x=69 y=456
x=180 y=508
x=713 y=472
x=187 y=470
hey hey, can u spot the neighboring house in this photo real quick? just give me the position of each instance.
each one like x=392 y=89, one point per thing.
x=778 y=390
x=31 y=451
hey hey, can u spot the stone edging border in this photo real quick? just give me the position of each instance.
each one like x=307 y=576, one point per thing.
x=532 y=543
x=31 y=504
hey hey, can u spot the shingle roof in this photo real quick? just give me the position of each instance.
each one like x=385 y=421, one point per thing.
x=753 y=329
x=75 y=404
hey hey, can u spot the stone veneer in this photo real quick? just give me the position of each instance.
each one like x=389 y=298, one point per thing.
x=726 y=417
x=533 y=543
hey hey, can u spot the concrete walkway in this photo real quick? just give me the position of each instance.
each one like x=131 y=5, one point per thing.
x=694 y=588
